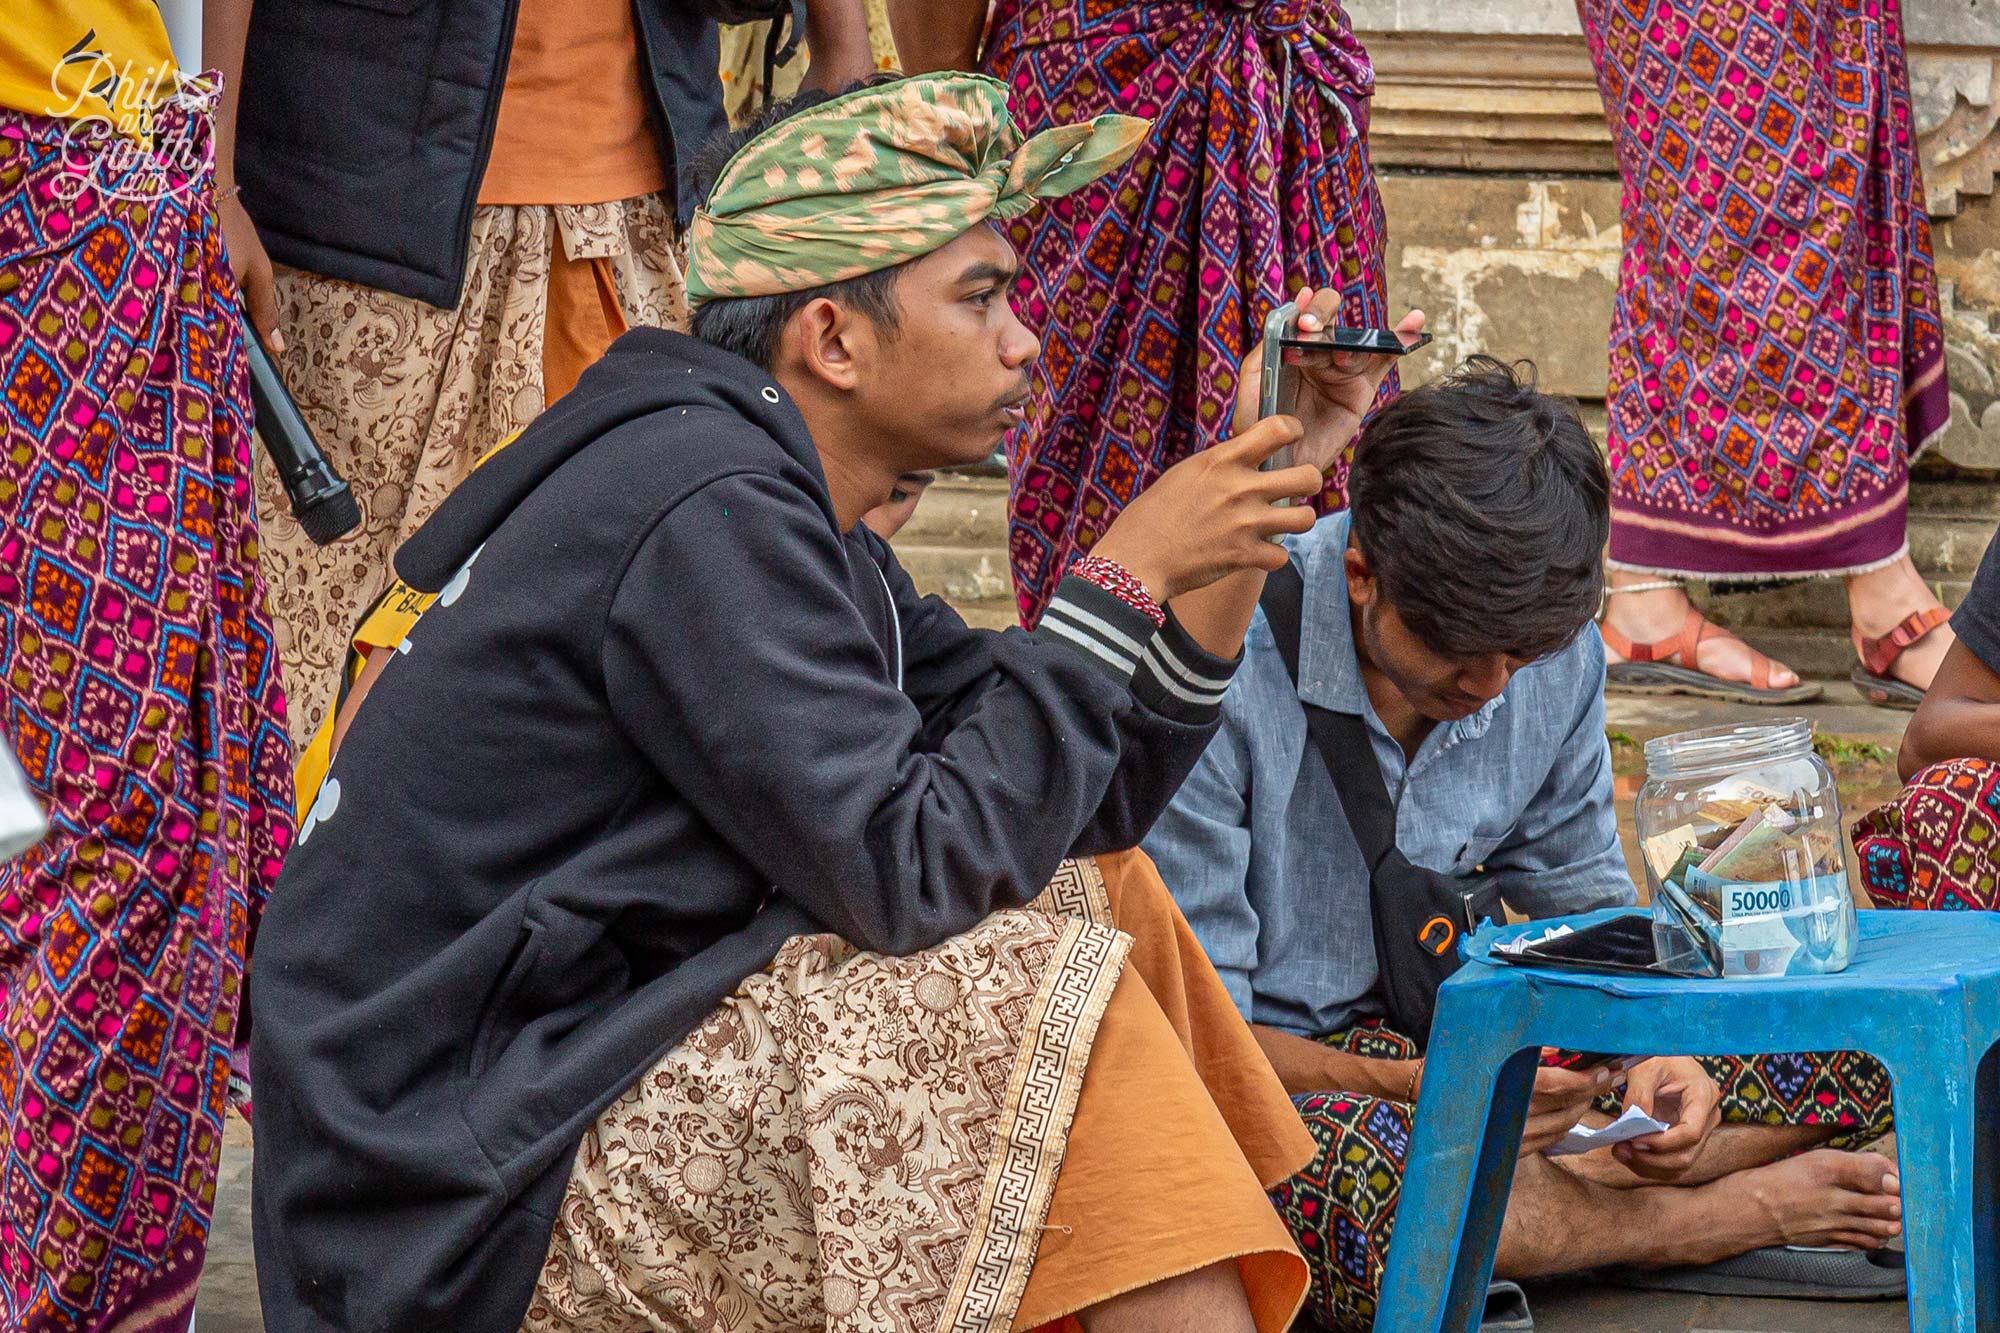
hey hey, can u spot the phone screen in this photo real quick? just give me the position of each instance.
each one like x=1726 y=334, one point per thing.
x=1384 y=342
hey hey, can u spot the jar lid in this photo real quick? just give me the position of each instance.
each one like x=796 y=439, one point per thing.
x=1729 y=748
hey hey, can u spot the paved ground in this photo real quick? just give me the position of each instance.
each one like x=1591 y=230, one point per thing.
x=1841 y=713
x=228 y=1302
x=229 y=1290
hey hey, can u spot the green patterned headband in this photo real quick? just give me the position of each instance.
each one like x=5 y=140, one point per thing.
x=882 y=175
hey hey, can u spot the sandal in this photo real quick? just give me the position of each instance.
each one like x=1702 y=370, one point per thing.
x=1872 y=676
x=1795 y=1272
x=1647 y=670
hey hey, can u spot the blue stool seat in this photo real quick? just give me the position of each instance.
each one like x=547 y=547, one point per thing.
x=1922 y=996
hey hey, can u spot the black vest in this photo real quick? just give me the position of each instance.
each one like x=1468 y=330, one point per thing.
x=364 y=127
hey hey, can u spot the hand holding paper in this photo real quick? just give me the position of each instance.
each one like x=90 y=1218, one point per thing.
x=1625 y=1128
x=1680 y=1093
x=1560 y=1098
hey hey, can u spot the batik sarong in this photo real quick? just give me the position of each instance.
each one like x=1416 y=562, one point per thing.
x=943 y=1141
x=140 y=687
x=1776 y=354
x=1148 y=288
x=1342 y=1208
x=405 y=397
x=1937 y=845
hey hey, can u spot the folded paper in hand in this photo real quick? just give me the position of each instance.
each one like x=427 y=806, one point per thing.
x=1634 y=1124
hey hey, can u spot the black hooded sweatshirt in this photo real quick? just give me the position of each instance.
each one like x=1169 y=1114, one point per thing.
x=663 y=715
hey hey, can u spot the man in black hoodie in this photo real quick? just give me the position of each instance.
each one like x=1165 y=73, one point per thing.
x=671 y=706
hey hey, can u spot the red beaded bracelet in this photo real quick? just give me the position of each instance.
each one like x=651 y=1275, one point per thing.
x=1115 y=579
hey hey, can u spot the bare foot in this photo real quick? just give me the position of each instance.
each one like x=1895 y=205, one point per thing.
x=1878 y=601
x=1824 y=1197
x=1647 y=617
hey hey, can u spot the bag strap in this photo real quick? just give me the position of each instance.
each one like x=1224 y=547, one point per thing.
x=1341 y=738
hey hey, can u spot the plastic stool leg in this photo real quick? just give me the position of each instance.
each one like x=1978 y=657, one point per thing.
x=1470 y=1114
x=1937 y=1144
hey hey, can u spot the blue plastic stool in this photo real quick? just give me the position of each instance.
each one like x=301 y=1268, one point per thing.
x=1922 y=996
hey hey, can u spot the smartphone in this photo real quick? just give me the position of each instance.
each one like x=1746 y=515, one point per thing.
x=1385 y=342
x=1280 y=396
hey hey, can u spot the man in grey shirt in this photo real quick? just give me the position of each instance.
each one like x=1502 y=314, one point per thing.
x=1449 y=611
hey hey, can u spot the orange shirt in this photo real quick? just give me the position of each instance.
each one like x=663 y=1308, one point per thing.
x=574 y=125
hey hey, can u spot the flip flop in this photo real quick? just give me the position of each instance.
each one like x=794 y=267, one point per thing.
x=1872 y=676
x=1507 y=1309
x=1647 y=670
x=1793 y=1272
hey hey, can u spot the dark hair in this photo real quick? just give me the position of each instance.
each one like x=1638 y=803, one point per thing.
x=749 y=325
x=1482 y=507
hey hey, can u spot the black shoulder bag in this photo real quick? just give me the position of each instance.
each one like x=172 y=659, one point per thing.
x=1419 y=914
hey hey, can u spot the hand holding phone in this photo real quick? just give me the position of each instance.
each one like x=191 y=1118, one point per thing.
x=1325 y=376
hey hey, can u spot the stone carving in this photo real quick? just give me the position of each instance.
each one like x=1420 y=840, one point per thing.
x=1971 y=354
x=1956 y=113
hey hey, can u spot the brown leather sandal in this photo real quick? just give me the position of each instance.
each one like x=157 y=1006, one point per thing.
x=1872 y=676
x=1647 y=668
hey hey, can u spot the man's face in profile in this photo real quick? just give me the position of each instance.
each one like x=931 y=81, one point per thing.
x=951 y=379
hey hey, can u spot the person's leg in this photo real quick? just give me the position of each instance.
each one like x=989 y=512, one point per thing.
x=1342 y=1209
x=1210 y=1300
x=1136 y=1220
x=1559 y=1222
x=1657 y=614
x=1730 y=1149
x=1773 y=1107
x=972 y=1161
x=1937 y=845
x=1881 y=599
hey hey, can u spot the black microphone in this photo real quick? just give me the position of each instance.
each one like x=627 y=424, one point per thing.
x=321 y=501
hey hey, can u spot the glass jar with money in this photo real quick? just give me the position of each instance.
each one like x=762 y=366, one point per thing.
x=1740 y=831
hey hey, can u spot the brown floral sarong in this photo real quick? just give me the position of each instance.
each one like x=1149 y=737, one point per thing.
x=405 y=397
x=860 y=1142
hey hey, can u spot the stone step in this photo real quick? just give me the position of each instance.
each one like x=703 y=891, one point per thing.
x=1817 y=604
x=960 y=511
x=1949 y=546
x=959 y=574
x=1957 y=497
x=1816 y=654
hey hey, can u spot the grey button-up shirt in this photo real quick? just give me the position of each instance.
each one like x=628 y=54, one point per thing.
x=1257 y=851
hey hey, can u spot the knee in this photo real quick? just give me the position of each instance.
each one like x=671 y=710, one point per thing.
x=1944 y=774
x=1908 y=862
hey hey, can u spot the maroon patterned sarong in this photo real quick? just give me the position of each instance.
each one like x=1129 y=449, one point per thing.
x=1148 y=287
x=1937 y=845
x=139 y=685
x=1776 y=353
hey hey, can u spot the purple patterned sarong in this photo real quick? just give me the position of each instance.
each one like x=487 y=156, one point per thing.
x=1148 y=288
x=1776 y=353
x=139 y=685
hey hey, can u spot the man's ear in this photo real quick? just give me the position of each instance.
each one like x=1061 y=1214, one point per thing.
x=1360 y=579
x=824 y=337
